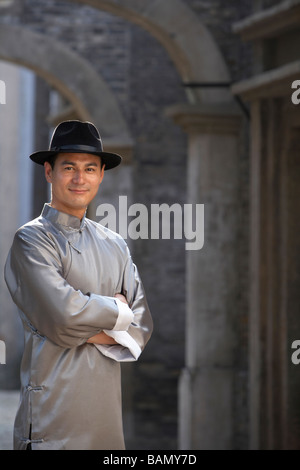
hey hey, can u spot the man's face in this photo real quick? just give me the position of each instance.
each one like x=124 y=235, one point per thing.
x=75 y=180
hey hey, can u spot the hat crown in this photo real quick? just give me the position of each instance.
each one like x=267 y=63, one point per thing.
x=76 y=137
x=69 y=133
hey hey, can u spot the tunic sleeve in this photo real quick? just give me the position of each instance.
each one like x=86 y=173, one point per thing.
x=134 y=339
x=52 y=307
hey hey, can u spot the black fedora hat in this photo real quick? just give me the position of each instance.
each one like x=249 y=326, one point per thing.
x=76 y=137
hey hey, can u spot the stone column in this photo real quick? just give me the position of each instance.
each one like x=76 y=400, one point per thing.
x=275 y=280
x=206 y=384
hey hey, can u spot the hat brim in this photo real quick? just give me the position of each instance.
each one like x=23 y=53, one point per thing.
x=111 y=160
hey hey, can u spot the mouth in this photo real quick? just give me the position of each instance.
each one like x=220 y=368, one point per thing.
x=78 y=191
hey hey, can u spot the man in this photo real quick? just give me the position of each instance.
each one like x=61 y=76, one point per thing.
x=82 y=305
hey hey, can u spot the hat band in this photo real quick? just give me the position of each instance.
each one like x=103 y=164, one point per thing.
x=82 y=148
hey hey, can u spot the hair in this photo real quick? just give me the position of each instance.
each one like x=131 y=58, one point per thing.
x=52 y=160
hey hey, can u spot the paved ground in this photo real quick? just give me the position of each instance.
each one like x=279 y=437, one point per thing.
x=8 y=406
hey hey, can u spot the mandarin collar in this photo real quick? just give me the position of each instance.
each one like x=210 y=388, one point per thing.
x=61 y=218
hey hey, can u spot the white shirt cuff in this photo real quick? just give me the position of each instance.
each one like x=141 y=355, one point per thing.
x=125 y=316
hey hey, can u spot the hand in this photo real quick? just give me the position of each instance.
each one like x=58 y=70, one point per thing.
x=122 y=298
x=101 y=338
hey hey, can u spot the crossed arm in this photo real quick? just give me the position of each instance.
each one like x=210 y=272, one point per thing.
x=71 y=316
x=103 y=338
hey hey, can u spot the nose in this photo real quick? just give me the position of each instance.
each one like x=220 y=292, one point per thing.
x=78 y=177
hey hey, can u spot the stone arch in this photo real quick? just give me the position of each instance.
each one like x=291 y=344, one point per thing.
x=69 y=74
x=184 y=36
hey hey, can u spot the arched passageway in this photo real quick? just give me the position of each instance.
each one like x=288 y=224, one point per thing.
x=69 y=74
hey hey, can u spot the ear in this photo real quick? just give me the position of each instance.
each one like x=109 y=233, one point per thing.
x=48 y=172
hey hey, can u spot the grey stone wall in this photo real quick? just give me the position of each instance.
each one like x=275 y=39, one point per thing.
x=218 y=16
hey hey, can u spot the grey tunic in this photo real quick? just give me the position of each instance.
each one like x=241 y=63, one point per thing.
x=63 y=273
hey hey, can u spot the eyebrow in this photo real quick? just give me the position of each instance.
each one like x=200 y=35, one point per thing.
x=67 y=162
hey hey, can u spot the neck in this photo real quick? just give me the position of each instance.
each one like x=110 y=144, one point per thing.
x=79 y=213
